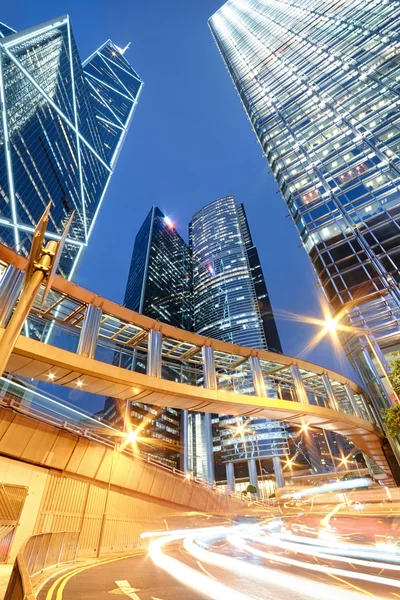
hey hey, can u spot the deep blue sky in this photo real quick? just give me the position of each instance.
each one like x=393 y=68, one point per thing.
x=189 y=143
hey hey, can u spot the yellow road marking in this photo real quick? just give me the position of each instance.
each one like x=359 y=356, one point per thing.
x=67 y=576
x=352 y=585
x=205 y=571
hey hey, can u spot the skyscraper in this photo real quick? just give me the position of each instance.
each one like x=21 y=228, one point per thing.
x=320 y=84
x=61 y=129
x=160 y=275
x=231 y=303
x=159 y=286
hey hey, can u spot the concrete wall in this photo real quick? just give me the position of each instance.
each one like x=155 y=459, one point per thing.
x=74 y=504
x=45 y=445
x=34 y=478
x=68 y=477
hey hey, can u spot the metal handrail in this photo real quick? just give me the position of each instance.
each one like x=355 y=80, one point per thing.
x=38 y=553
x=62 y=423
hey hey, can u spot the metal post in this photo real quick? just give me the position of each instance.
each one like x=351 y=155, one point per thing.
x=299 y=385
x=154 y=354
x=333 y=403
x=258 y=378
x=210 y=379
x=208 y=439
x=230 y=475
x=353 y=402
x=253 y=473
x=103 y=521
x=61 y=549
x=24 y=306
x=10 y=287
x=210 y=382
x=280 y=481
x=185 y=441
x=89 y=332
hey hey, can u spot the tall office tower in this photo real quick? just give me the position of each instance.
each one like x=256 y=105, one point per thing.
x=160 y=276
x=231 y=304
x=320 y=84
x=159 y=286
x=61 y=129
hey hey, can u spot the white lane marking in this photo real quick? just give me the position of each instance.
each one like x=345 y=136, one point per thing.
x=126 y=588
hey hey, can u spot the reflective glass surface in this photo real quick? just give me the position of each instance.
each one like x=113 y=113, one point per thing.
x=56 y=145
x=319 y=80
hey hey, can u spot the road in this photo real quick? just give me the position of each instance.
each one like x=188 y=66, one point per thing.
x=272 y=560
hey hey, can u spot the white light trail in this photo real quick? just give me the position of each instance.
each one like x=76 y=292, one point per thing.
x=240 y=543
x=338 y=486
x=191 y=577
x=295 y=584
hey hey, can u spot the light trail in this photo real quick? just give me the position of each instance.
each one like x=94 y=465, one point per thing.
x=198 y=543
x=298 y=544
x=191 y=577
x=293 y=583
x=240 y=543
x=338 y=486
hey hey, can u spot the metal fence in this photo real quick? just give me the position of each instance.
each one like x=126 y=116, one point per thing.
x=40 y=552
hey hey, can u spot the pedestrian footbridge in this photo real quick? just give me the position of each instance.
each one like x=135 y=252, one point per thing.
x=81 y=340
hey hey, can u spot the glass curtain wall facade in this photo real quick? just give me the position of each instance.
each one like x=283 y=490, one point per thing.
x=231 y=304
x=61 y=129
x=159 y=286
x=319 y=80
x=160 y=275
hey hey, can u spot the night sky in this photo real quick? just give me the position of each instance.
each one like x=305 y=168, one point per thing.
x=189 y=143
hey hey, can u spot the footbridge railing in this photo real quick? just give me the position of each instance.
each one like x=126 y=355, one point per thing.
x=101 y=347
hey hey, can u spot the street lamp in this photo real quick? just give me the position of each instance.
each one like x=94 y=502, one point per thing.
x=129 y=438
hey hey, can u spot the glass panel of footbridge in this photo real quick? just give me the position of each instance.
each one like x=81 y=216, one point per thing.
x=342 y=397
x=181 y=362
x=233 y=373
x=278 y=380
x=317 y=394
x=361 y=403
x=122 y=344
x=57 y=321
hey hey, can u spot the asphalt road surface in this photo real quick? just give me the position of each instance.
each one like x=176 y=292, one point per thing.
x=238 y=564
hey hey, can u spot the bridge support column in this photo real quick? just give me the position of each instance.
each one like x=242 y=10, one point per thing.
x=280 y=482
x=185 y=441
x=154 y=354
x=210 y=382
x=230 y=475
x=258 y=379
x=354 y=405
x=10 y=287
x=251 y=463
x=329 y=392
x=299 y=385
x=90 y=332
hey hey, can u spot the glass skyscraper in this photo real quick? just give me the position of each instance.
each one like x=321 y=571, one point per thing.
x=160 y=275
x=61 y=129
x=320 y=82
x=231 y=304
x=159 y=286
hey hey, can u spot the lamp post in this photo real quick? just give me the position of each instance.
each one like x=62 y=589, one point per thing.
x=130 y=437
